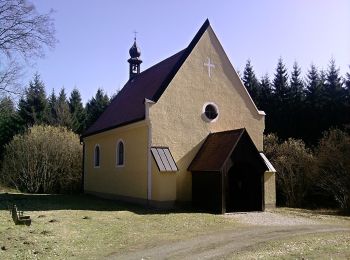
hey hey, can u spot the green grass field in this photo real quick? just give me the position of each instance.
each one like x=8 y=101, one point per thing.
x=85 y=227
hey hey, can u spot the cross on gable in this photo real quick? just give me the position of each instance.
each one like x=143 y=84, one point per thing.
x=209 y=65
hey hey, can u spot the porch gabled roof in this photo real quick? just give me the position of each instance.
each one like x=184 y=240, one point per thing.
x=217 y=149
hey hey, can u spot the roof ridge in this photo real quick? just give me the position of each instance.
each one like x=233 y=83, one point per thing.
x=154 y=65
x=141 y=74
x=187 y=52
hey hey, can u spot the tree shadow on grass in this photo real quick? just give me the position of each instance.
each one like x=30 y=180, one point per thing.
x=45 y=202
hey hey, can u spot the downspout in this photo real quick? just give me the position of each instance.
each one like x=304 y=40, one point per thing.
x=148 y=103
x=83 y=168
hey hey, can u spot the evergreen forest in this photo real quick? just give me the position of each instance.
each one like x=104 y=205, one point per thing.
x=298 y=106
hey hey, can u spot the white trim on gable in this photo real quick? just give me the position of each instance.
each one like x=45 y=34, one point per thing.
x=268 y=163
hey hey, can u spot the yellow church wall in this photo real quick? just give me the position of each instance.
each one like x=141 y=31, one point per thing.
x=129 y=180
x=163 y=185
x=270 y=189
x=177 y=116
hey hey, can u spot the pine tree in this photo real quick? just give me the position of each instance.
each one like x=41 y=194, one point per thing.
x=62 y=110
x=347 y=81
x=295 y=105
x=266 y=103
x=347 y=98
x=314 y=105
x=323 y=79
x=266 y=92
x=334 y=83
x=347 y=87
x=280 y=120
x=251 y=83
x=77 y=111
x=32 y=107
x=312 y=87
x=9 y=122
x=335 y=98
x=52 y=109
x=280 y=82
x=296 y=84
x=315 y=89
x=95 y=107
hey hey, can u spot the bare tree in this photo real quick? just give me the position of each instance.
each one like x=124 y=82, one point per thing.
x=24 y=35
x=9 y=75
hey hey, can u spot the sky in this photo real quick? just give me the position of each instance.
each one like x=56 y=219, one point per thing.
x=94 y=37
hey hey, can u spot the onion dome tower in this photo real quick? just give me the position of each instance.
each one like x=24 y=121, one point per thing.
x=134 y=60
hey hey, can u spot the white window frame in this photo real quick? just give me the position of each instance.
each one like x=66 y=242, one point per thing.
x=117 y=154
x=99 y=154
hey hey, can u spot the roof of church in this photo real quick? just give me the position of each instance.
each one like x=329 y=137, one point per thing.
x=128 y=106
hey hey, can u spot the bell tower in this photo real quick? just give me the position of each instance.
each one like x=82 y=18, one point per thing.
x=134 y=60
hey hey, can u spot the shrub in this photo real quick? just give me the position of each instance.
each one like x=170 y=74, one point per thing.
x=333 y=154
x=294 y=165
x=44 y=159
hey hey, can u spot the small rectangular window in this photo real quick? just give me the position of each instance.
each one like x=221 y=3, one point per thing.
x=164 y=159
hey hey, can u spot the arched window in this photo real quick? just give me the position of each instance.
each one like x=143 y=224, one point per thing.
x=97 y=156
x=120 y=153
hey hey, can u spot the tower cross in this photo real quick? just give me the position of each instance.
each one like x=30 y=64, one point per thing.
x=209 y=65
x=135 y=33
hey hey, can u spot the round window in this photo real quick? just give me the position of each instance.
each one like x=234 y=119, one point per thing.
x=210 y=112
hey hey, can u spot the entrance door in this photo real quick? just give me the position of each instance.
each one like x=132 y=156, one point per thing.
x=243 y=188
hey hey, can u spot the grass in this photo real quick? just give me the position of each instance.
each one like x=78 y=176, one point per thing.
x=315 y=246
x=330 y=216
x=86 y=227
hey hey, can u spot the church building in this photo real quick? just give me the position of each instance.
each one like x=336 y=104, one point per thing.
x=184 y=131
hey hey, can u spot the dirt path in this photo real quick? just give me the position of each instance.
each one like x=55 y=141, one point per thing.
x=225 y=243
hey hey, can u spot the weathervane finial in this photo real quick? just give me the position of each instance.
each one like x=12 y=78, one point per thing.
x=135 y=33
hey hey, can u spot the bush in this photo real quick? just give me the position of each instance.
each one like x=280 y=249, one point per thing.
x=333 y=166
x=45 y=159
x=294 y=165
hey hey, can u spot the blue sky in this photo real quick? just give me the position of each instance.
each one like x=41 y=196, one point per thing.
x=95 y=36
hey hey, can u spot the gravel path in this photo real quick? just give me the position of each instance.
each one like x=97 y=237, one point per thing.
x=223 y=244
x=270 y=219
x=264 y=227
